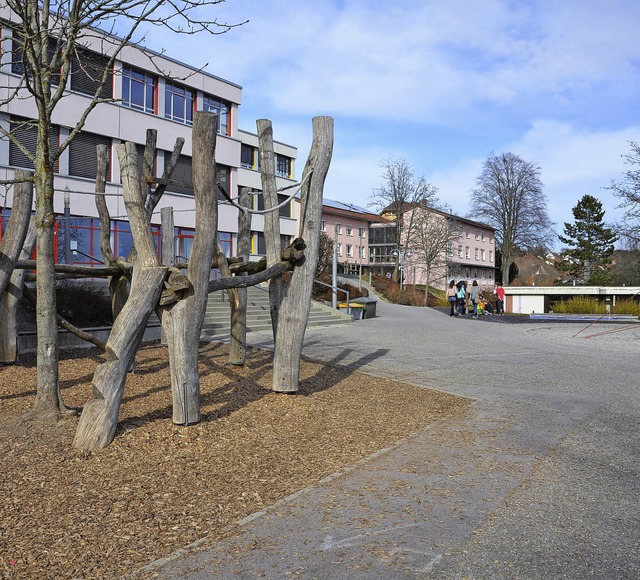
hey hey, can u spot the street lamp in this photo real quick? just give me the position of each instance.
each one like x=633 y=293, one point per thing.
x=68 y=259
x=397 y=253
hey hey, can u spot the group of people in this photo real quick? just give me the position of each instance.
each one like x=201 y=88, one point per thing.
x=457 y=295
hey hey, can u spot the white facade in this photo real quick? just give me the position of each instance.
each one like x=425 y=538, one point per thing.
x=126 y=120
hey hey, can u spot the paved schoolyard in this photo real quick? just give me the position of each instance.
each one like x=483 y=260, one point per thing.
x=540 y=481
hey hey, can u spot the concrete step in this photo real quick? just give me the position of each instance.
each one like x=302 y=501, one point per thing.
x=217 y=315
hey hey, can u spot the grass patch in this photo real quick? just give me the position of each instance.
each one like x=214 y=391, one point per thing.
x=588 y=305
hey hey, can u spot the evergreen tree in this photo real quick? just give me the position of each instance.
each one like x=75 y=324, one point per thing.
x=590 y=241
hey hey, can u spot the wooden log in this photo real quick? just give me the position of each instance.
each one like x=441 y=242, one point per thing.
x=9 y=348
x=99 y=419
x=271 y=219
x=294 y=310
x=182 y=321
x=80 y=271
x=15 y=233
x=238 y=331
x=101 y=206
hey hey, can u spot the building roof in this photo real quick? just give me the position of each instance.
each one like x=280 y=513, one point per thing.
x=345 y=209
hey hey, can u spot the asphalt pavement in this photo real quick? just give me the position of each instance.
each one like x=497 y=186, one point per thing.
x=540 y=480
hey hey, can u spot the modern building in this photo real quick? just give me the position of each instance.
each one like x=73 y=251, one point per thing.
x=140 y=98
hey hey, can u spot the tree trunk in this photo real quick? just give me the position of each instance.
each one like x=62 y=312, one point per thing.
x=48 y=405
x=238 y=335
x=271 y=219
x=14 y=236
x=9 y=304
x=294 y=311
x=99 y=418
x=182 y=321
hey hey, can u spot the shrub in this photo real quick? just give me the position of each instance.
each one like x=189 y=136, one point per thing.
x=628 y=306
x=588 y=305
x=580 y=305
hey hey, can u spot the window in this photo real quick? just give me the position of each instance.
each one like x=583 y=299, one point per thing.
x=459 y=251
x=214 y=105
x=178 y=103
x=361 y=252
x=26 y=132
x=449 y=249
x=182 y=177
x=349 y=230
x=285 y=210
x=361 y=232
x=247 y=156
x=226 y=243
x=467 y=254
x=476 y=253
x=324 y=226
x=338 y=228
x=283 y=166
x=87 y=70
x=349 y=251
x=18 y=60
x=138 y=90
x=83 y=159
x=483 y=236
x=490 y=255
x=477 y=235
x=490 y=275
x=482 y=256
x=459 y=231
x=339 y=249
x=467 y=233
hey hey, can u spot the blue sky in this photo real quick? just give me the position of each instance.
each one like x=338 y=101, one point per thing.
x=440 y=84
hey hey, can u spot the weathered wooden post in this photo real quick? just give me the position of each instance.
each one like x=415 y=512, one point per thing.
x=99 y=418
x=294 y=310
x=182 y=320
x=238 y=335
x=272 y=218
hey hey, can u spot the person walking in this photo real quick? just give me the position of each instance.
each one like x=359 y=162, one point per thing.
x=474 y=295
x=451 y=297
x=461 y=295
x=499 y=300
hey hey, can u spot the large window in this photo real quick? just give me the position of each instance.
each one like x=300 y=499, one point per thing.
x=178 y=105
x=214 y=105
x=83 y=158
x=182 y=177
x=138 y=90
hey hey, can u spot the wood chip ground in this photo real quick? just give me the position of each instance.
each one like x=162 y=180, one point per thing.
x=65 y=513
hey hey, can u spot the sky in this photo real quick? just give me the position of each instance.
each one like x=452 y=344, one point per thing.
x=440 y=84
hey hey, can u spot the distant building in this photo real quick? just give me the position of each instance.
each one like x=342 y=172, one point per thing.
x=469 y=253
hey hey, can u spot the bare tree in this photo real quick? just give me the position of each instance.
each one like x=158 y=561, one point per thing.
x=509 y=197
x=49 y=42
x=628 y=191
x=400 y=192
x=432 y=241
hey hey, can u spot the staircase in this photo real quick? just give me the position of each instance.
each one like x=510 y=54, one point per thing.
x=218 y=314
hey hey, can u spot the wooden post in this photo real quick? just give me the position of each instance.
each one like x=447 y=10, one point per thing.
x=13 y=240
x=238 y=335
x=9 y=350
x=182 y=320
x=99 y=418
x=295 y=307
x=272 y=219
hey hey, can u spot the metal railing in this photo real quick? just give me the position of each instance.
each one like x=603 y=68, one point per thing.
x=335 y=291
